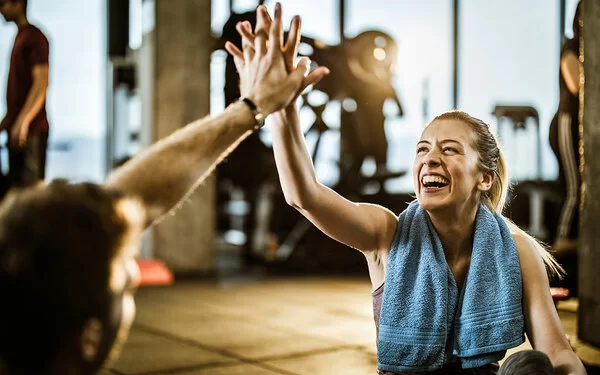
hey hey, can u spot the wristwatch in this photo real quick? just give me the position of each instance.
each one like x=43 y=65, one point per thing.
x=258 y=115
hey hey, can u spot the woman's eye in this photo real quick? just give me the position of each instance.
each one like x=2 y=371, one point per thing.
x=450 y=149
x=421 y=149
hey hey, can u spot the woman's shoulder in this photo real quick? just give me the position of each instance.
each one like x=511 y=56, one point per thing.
x=530 y=254
x=522 y=240
x=525 y=244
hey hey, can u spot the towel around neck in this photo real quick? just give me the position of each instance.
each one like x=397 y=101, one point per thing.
x=426 y=321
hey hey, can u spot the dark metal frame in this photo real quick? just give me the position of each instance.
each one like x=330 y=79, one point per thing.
x=561 y=31
x=455 y=35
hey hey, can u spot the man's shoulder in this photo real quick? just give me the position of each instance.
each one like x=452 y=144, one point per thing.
x=32 y=32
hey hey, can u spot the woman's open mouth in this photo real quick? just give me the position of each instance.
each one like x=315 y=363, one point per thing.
x=433 y=183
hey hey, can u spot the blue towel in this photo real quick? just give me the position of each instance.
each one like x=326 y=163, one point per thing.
x=425 y=321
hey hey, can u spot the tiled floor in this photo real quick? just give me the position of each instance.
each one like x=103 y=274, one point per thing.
x=264 y=327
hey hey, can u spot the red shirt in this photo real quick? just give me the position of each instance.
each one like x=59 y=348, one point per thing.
x=30 y=48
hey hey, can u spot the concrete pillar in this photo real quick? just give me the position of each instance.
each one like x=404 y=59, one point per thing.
x=589 y=249
x=180 y=53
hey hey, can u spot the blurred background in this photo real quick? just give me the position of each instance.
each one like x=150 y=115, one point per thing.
x=125 y=73
x=508 y=52
x=497 y=60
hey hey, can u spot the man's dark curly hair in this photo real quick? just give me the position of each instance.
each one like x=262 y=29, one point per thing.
x=57 y=244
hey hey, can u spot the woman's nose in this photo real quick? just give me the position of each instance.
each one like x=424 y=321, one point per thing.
x=431 y=159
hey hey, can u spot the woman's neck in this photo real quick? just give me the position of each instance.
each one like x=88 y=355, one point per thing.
x=455 y=230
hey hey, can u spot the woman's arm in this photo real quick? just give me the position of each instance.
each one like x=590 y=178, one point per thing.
x=366 y=227
x=542 y=323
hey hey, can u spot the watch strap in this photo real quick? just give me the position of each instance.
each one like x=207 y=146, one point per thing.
x=259 y=117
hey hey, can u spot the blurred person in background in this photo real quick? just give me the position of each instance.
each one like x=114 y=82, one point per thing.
x=564 y=139
x=26 y=122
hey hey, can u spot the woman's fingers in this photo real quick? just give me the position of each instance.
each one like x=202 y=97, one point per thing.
x=248 y=37
x=315 y=76
x=233 y=50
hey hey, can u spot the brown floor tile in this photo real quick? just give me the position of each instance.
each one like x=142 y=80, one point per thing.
x=347 y=362
x=293 y=325
x=145 y=352
x=245 y=369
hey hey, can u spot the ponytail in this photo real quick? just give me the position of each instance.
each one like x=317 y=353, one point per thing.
x=496 y=200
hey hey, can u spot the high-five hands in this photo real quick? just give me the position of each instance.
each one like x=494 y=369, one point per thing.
x=266 y=66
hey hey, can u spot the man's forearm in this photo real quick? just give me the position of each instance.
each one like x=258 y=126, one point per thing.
x=168 y=171
x=34 y=102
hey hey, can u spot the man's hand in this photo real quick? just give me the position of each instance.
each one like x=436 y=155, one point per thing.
x=266 y=66
x=19 y=133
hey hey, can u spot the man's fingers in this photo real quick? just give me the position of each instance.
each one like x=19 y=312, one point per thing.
x=290 y=50
x=263 y=20
x=276 y=32
x=268 y=18
x=263 y=23
x=260 y=43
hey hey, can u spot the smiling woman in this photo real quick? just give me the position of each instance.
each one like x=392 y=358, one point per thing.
x=450 y=270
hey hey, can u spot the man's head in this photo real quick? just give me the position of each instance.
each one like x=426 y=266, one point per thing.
x=527 y=362
x=13 y=9
x=66 y=272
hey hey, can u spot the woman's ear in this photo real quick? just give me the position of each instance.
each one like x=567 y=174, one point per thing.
x=486 y=182
x=90 y=339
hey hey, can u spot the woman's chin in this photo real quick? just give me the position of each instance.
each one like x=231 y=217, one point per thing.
x=429 y=203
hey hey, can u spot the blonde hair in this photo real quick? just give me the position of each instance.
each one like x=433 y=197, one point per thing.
x=491 y=160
